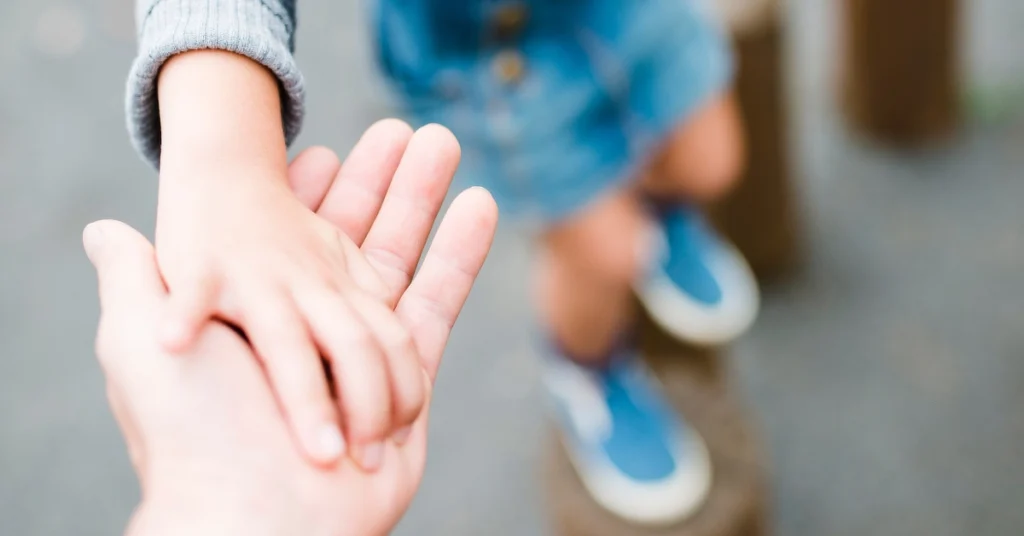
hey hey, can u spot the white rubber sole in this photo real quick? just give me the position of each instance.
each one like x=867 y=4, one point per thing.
x=655 y=504
x=700 y=323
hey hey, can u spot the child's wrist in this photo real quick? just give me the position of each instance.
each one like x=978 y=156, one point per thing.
x=184 y=166
x=223 y=158
x=219 y=110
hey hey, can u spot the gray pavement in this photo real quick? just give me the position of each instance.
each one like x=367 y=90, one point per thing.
x=887 y=376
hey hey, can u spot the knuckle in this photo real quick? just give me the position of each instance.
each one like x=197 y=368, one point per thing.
x=358 y=432
x=361 y=339
x=413 y=400
x=232 y=310
x=302 y=383
x=367 y=422
x=277 y=319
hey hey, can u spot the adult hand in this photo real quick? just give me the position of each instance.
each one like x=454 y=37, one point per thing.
x=205 y=434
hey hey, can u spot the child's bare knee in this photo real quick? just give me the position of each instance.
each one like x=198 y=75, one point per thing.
x=613 y=263
x=602 y=245
x=704 y=158
x=709 y=176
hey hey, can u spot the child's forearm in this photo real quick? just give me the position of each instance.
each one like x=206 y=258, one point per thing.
x=219 y=112
x=178 y=44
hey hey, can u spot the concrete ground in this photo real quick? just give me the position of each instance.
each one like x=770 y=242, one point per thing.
x=887 y=376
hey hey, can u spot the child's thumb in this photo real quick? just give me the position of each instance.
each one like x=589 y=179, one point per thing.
x=192 y=302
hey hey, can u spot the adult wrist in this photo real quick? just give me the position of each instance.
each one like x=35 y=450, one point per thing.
x=155 y=519
x=180 y=516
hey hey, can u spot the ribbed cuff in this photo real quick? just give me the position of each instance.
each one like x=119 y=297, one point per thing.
x=261 y=30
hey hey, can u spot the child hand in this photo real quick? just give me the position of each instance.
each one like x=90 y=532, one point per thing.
x=242 y=247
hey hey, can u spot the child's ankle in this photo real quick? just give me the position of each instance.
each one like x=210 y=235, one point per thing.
x=592 y=357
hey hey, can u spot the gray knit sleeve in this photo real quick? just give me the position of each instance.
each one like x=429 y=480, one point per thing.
x=262 y=30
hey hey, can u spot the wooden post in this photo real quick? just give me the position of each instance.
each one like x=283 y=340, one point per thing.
x=901 y=68
x=762 y=215
x=698 y=384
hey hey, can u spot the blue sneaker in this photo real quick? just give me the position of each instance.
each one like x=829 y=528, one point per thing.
x=633 y=453
x=700 y=289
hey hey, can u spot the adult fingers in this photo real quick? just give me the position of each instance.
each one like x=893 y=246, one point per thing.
x=130 y=289
x=356 y=195
x=396 y=240
x=436 y=296
x=125 y=265
x=311 y=174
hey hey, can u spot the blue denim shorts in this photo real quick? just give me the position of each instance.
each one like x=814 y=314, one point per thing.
x=555 y=102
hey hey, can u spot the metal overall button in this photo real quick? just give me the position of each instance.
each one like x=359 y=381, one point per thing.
x=509 y=19
x=509 y=66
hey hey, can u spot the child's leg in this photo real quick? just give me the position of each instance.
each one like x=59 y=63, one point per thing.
x=585 y=272
x=702 y=290
x=703 y=158
x=590 y=262
x=634 y=455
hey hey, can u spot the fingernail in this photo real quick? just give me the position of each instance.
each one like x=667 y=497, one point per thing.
x=372 y=456
x=330 y=443
x=402 y=435
x=92 y=236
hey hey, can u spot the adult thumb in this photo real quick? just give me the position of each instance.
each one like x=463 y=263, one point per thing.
x=125 y=265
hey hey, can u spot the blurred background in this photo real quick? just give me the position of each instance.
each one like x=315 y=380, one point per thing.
x=885 y=373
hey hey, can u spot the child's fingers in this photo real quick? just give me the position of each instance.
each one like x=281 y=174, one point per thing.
x=192 y=302
x=396 y=240
x=293 y=367
x=311 y=175
x=360 y=373
x=434 y=299
x=357 y=193
x=408 y=389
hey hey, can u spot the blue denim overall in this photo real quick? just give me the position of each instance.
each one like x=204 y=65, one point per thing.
x=555 y=102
